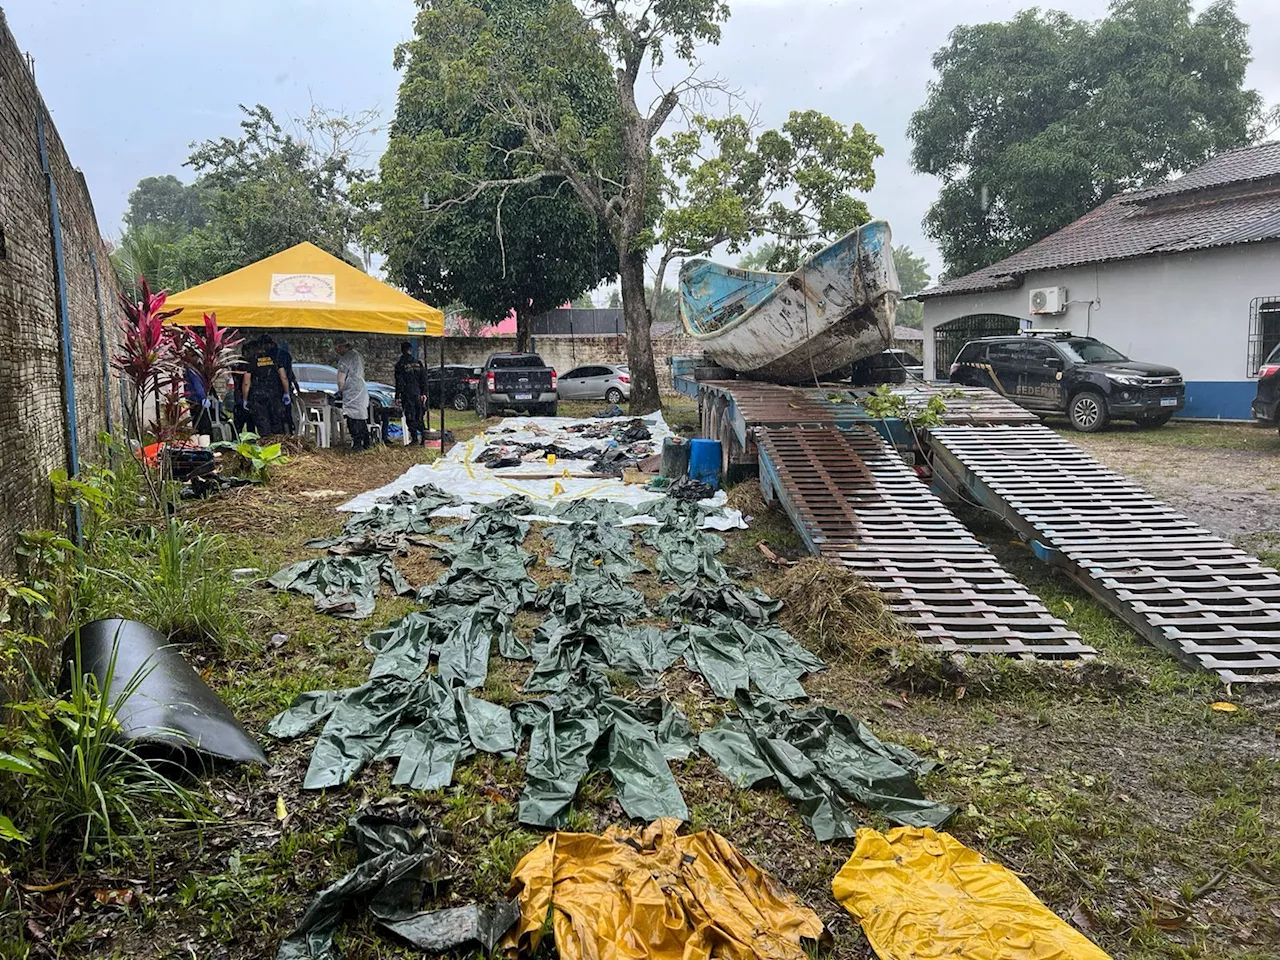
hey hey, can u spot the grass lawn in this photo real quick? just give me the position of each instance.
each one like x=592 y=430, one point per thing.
x=1120 y=797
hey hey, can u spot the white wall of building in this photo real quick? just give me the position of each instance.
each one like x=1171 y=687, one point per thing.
x=1189 y=310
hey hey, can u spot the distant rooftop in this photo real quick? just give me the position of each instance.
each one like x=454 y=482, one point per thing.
x=1232 y=199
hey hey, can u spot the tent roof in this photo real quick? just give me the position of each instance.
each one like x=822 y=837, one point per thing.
x=306 y=287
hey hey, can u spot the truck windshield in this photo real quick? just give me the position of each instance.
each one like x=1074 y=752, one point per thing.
x=1084 y=350
x=524 y=360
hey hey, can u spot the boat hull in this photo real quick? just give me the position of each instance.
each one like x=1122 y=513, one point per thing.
x=837 y=308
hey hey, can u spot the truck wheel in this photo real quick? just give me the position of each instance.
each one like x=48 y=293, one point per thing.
x=1152 y=422
x=550 y=409
x=482 y=406
x=460 y=401
x=1088 y=411
x=613 y=395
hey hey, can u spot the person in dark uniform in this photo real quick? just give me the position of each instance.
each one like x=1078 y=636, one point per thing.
x=411 y=392
x=236 y=401
x=267 y=389
x=284 y=357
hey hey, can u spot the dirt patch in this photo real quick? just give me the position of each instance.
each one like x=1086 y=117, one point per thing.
x=1232 y=492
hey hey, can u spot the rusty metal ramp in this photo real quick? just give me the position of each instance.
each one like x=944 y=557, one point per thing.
x=1184 y=589
x=855 y=502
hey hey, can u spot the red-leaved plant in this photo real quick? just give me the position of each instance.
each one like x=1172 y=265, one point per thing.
x=208 y=353
x=150 y=360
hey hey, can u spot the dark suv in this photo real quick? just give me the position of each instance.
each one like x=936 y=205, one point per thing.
x=1266 y=405
x=1081 y=377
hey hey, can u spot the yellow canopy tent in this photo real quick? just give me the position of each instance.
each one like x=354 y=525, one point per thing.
x=306 y=287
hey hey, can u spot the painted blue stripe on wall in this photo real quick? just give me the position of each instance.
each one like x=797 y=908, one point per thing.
x=1219 y=399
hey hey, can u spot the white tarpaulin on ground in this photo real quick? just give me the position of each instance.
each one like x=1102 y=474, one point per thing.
x=459 y=472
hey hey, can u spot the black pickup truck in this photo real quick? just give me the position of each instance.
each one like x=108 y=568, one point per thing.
x=516 y=381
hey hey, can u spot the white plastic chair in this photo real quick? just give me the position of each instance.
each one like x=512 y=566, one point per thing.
x=317 y=421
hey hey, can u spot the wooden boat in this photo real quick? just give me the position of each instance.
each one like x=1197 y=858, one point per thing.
x=793 y=328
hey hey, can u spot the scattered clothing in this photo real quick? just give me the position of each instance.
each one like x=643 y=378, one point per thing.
x=918 y=893
x=652 y=895
x=822 y=760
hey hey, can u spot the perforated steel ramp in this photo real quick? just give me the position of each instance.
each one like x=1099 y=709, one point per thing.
x=1177 y=584
x=855 y=502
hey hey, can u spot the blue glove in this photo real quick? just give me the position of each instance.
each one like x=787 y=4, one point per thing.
x=244 y=404
x=205 y=403
x=287 y=399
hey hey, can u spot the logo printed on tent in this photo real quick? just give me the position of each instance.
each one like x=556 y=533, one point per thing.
x=303 y=288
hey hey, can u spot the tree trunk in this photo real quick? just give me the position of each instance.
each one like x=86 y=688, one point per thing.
x=644 y=377
x=658 y=279
x=522 y=332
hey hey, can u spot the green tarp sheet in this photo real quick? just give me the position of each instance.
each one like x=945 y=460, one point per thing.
x=824 y=761
x=342 y=586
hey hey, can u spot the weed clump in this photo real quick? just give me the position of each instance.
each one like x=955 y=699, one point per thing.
x=836 y=613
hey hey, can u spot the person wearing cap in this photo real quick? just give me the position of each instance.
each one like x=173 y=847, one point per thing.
x=411 y=392
x=266 y=389
x=355 y=394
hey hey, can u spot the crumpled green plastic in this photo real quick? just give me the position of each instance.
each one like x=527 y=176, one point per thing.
x=429 y=724
x=823 y=760
x=733 y=655
x=386 y=528
x=687 y=554
x=342 y=586
x=593 y=597
x=586 y=727
x=307 y=711
x=585 y=545
x=700 y=601
x=399 y=859
x=495 y=571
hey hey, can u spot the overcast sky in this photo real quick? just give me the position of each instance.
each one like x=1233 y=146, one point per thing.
x=131 y=83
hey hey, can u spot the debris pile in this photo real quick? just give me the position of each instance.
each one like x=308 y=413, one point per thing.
x=840 y=614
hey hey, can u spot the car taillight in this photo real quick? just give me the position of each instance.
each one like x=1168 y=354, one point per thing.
x=622 y=378
x=553 y=379
x=1269 y=370
x=489 y=383
x=470 y=381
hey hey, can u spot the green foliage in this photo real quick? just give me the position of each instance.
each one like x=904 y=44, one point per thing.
x=884 y=404
x=253 y=196
x=529 y=245
x=257 y=459
x=81 y=783
x=1033 y=122
x=176 y=578
x=913 y=276
x=797 y=185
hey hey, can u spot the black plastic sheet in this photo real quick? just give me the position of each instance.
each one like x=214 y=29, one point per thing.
x=400 y=861
x=171 y=707
x=823 y=760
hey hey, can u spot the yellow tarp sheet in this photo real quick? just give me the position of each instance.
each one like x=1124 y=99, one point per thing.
x=651 y=894
x=920 y=894
x=306 y=287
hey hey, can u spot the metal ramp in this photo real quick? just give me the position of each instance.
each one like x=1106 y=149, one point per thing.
x=855 y=502
x=1184 y=589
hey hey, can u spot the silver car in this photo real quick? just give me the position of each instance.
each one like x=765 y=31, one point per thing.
x=596 y=382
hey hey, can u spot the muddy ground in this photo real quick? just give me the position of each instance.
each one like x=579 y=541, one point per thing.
x=1130 y=806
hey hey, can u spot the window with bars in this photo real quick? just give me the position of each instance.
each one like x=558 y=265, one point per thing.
x=949 y=337
x=1264 y=331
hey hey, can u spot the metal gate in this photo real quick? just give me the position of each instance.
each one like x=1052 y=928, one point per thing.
x=1264 y=331
x=949 y=337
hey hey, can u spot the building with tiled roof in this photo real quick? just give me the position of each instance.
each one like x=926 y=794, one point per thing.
x=1186 y=273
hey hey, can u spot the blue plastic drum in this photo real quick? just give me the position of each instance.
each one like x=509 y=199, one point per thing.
x=704 y=461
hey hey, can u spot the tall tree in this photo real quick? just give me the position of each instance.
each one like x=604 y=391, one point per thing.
x=529 y=247
x=270 y=189
x=168 y=204
x=913 y=276
x=1033 y=122
x=724 y=184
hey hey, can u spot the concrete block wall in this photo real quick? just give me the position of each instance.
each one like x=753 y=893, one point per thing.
x=562 y=353
x=33 y=425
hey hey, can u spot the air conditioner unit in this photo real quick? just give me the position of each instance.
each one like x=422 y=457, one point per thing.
x=1049 y=300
